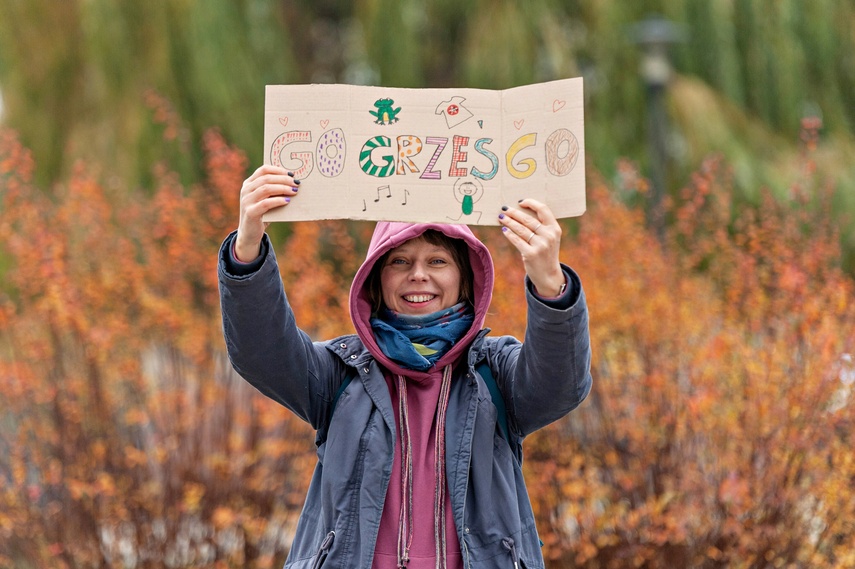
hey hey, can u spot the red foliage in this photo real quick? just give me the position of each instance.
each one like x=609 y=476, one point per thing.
x=718 y=432
x=126 y=438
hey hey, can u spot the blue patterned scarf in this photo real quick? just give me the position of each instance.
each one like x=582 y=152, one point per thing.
x=417 y=342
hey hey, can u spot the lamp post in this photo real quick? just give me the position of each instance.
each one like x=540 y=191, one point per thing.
x=655 y=35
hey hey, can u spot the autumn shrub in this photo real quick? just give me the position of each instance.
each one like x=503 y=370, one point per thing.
x=126 y=439
x=718 y=432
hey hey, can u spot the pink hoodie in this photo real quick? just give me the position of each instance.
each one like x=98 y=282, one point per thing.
x=423 y=390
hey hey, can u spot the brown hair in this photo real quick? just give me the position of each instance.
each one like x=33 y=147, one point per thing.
x=459 y=253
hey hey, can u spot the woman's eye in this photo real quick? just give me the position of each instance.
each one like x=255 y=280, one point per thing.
x=439 y=262
x=397 y=262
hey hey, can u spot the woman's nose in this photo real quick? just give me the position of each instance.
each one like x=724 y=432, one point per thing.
x=418 y=272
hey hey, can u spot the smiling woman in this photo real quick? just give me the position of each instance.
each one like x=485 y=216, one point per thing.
x=419 y=278
x=433 y=258
x=415 y=469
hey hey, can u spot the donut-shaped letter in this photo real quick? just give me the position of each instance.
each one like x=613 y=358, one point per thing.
x=331 y=152
x=561 y=165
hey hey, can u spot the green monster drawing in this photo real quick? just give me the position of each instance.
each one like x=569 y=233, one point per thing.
x=385 y=113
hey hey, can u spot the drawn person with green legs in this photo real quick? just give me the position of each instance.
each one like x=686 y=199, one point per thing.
x=467 y=192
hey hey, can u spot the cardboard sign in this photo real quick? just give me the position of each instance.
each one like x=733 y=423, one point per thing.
x=426 y=155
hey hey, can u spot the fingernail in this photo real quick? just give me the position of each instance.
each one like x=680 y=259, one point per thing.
x=291 y=174
x=287 y=200
x=297 y=182
x=520 y=201
x=501 y=216
x=295 y=189
x=504 y=228
x=504 y=208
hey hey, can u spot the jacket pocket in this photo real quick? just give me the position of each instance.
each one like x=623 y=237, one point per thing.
x=323 y=550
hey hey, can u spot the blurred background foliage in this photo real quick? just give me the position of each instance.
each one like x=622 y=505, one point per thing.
x=720 y=440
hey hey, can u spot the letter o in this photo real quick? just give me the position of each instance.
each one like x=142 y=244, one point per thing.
x=331 y=152
x=556 y=163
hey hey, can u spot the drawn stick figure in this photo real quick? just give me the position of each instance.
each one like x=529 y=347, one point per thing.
x=467 y=192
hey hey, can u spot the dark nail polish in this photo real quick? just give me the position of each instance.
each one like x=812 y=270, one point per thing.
x=295 y=189
x=520 y=201
x=504 y=228
x=504 y=208
x=291 y=174
x=297 y=182
x=501 y=216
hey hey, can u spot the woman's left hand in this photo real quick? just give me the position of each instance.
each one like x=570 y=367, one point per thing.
x=537 y=237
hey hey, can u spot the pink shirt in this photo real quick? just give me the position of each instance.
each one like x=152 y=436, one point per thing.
x=422 y=399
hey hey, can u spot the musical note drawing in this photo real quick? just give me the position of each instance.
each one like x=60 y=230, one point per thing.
x=406 y=193
x=380 y=189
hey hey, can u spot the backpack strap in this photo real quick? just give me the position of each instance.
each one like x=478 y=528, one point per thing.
x=321 y=435
x=496 y=395
x=514 y=442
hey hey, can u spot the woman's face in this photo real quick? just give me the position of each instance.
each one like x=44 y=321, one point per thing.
x=420 y=278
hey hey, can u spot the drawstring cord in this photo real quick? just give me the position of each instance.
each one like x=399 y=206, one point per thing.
x=439 y=474
x=323 y=550
x=405 y=520
x=511 y=547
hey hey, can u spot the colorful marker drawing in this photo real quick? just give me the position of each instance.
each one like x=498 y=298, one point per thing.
x=427 y=155
x=368 y=166
x=385 y=114
x=331 y=151
x=562 y=150
x=468 y=192
x=454 y=111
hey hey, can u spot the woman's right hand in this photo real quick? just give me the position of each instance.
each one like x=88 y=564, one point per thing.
x=267 y=188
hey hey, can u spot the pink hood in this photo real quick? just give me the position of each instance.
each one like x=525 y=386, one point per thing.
x=387 y=236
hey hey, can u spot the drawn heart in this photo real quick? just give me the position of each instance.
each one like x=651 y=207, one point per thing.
x=324 y=123
x=557 y=105
x=518 y=124
x=283 y=121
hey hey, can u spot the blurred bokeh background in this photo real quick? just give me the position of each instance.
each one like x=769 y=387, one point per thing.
x=717 y=253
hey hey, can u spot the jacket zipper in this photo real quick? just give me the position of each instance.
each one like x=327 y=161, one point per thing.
x=468 y=466
x=512 y=549
x=323 y=550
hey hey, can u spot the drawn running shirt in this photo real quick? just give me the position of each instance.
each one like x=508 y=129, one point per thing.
x=454 y=111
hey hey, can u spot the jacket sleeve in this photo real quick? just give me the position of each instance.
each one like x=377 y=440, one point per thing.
x=549 y=375
x=264 y=344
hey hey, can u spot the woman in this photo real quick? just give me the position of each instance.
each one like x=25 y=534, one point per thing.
x=413 y=470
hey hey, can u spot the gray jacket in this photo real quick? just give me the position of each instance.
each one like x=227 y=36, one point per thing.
x=541 y=380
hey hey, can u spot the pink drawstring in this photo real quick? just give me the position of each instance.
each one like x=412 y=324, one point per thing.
x=405 y=521
x=439 y=461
